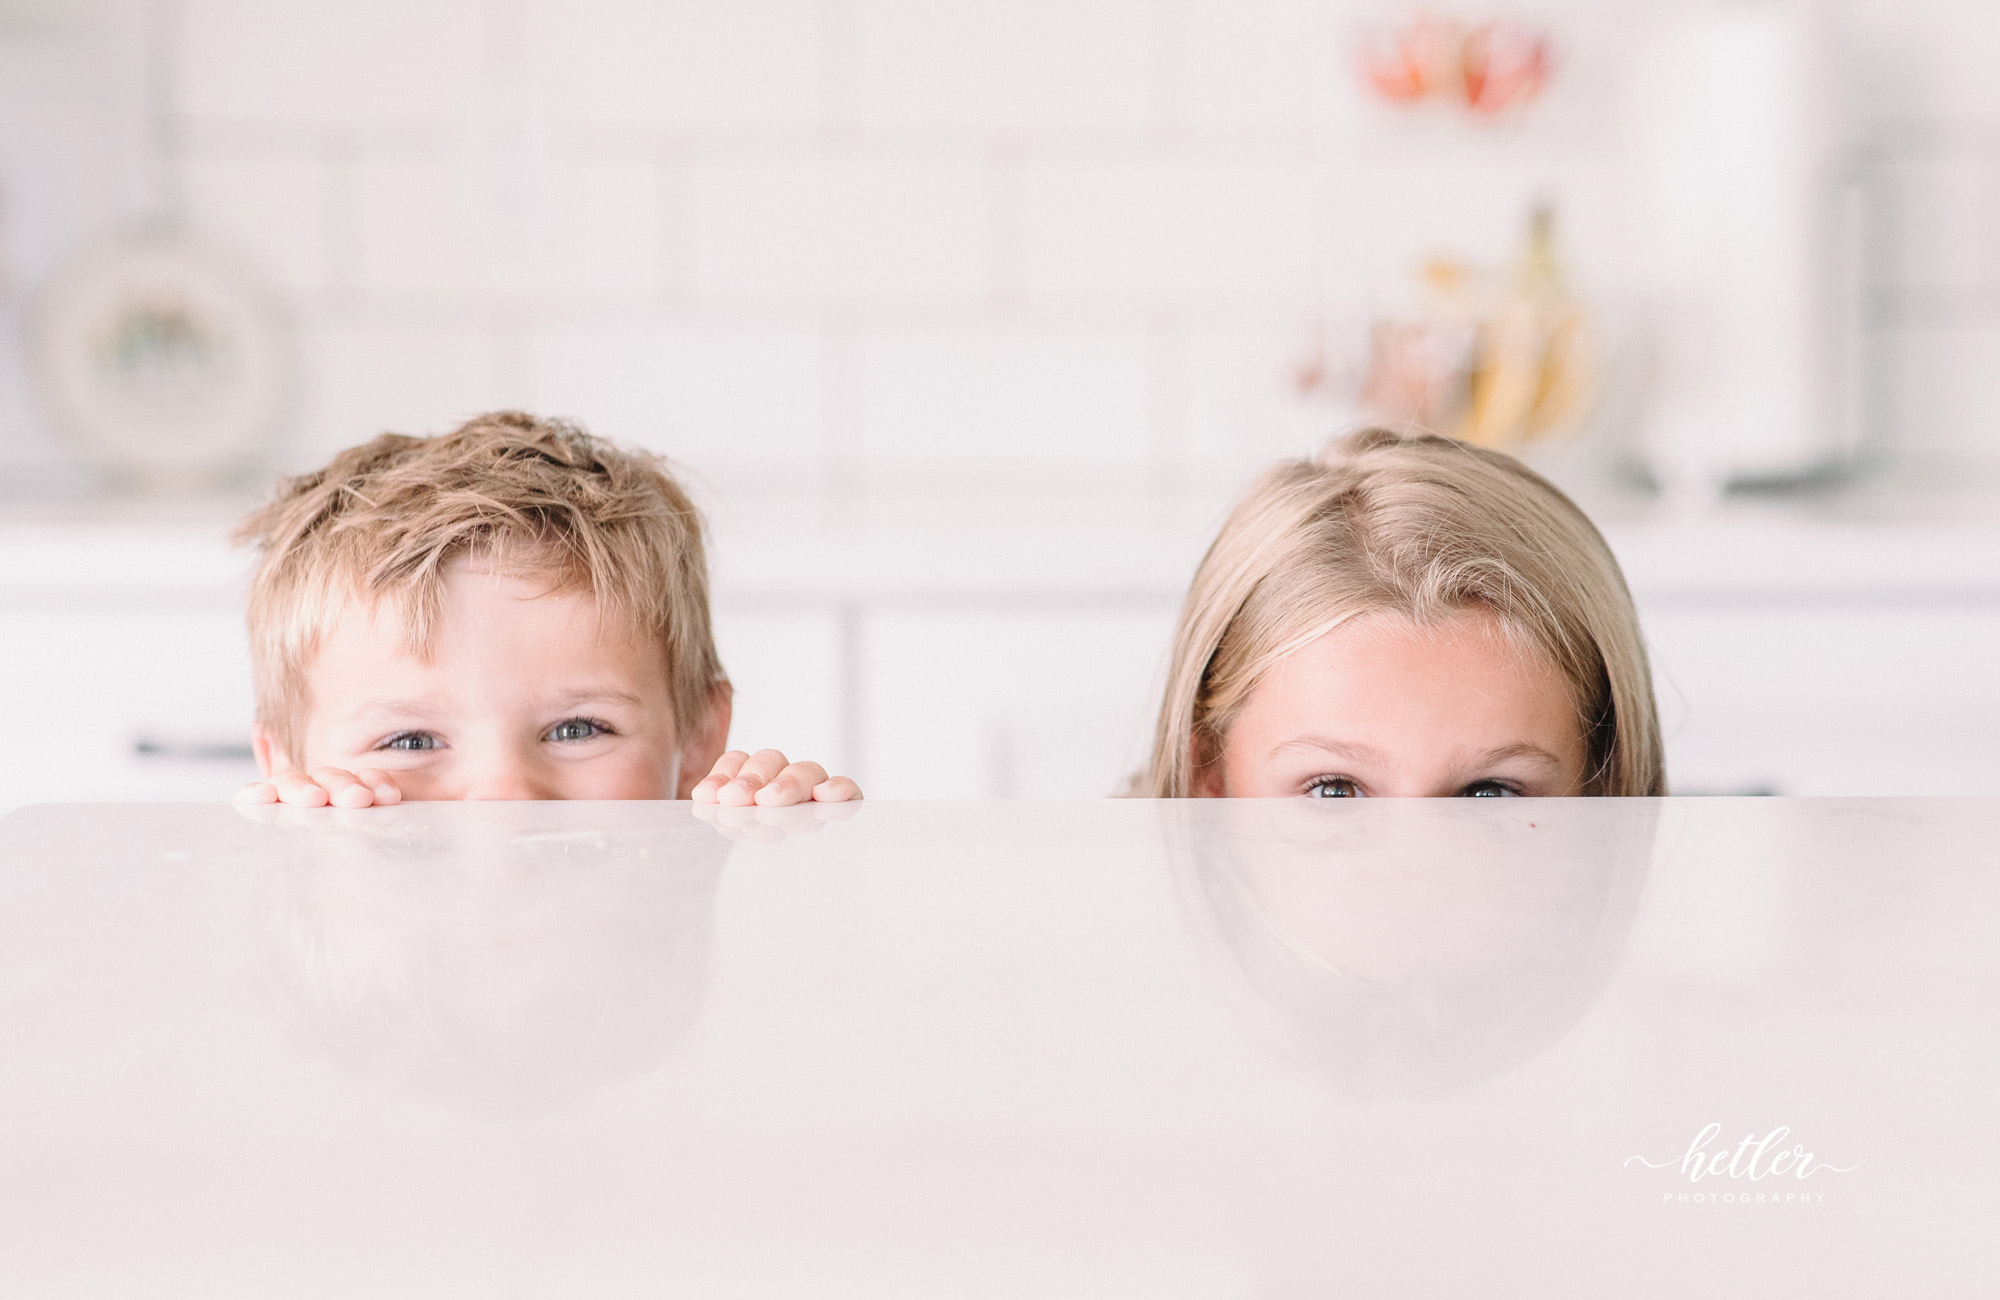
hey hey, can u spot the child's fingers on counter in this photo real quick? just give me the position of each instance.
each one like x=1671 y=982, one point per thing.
x=721 y=774
x=792 y=785
x=838 y=789
x=381 y=785
x=299 y=790
x=756 y=772
x=343 y=788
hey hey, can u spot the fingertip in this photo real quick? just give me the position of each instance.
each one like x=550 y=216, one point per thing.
x=386 y=793
x=776 y=794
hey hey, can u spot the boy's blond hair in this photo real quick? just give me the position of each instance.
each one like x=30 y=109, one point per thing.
x=1424 y=527
x=384 y=520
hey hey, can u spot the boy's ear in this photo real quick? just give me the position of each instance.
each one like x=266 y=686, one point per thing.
x=271 y=758
x=707 y=739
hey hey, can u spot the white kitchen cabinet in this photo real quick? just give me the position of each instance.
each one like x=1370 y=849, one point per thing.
x=1048 y=702
x=1873 y=697
x=139 y=702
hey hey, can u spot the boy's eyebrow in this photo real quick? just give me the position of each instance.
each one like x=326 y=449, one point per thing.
x=421 y=706
x=587 y=695
x=387 y=706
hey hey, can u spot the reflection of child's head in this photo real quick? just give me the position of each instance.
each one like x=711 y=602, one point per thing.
x=1408 y=949
x=502 y=962
x=513 y=610
x=1450 y=576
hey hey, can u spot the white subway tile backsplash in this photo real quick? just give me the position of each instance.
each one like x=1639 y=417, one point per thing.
x=786 y=670
x=270 y=208
x=1280 y=65
x=1393 y=212
x=1243 y=400
x=701 y=396
x=1933 y=59
x=1166 y=228
x=947 y=230
x=676 y=63
x=1064 y=64
x=315 y=61
x=427 y=225
x=365 y=379
x=1946 y=383
x=1946 y=217
x=812 y=228
x=996 y=395
x=607 y=228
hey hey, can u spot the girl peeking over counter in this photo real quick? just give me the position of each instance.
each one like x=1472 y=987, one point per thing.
x=1407 y=615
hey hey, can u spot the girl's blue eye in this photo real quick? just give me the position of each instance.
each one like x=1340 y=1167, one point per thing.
x=1332 y=787
x=577 y=729
x=1489 y=790
x=410 y=742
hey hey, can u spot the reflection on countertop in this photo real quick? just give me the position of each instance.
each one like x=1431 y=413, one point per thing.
x=1404 y=953
x=1111 y=1045
x=497 y=959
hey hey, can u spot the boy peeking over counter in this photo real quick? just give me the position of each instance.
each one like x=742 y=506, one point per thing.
x=513 y=610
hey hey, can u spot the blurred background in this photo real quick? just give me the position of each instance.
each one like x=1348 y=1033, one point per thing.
x=967 y=319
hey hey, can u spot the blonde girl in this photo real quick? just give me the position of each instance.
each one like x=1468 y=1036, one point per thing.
x=1407 y=615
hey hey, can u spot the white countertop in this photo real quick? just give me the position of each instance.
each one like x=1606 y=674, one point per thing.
x=1113 y=1047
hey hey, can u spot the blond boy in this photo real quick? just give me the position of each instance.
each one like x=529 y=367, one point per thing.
x=513 y=610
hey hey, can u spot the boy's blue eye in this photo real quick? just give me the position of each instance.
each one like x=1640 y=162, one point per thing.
x=577 y=729
x=410 y=741
x=1332 y=787
x=1489 y=790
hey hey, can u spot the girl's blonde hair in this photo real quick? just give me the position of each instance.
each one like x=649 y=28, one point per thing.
x=1427 y=528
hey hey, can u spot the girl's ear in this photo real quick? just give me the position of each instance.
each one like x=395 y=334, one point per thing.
x=1204 y=769
x=706 y=739
x=271 y=758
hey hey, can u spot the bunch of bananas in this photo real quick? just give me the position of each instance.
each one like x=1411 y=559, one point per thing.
x=1498 y=369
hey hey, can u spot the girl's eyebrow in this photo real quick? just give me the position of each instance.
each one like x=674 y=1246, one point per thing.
x=1338 y=748
x=1520 y=749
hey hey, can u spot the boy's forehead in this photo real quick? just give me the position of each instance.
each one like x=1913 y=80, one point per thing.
x=471 y=597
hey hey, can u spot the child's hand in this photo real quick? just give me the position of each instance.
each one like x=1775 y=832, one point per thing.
x=770 y=780
x=324 y=786
x=773 y=825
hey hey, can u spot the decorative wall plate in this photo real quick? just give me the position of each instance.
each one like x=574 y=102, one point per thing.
x=162 y=359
